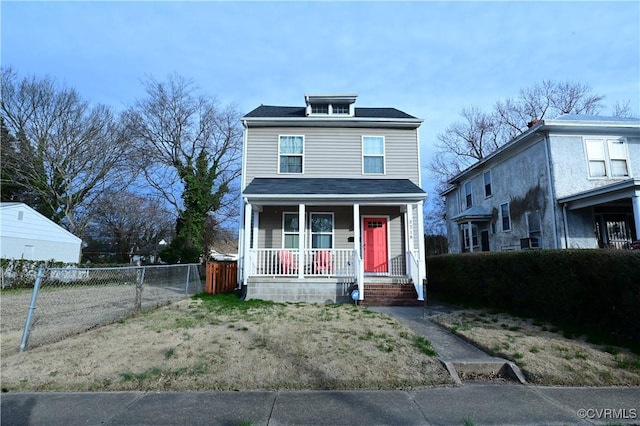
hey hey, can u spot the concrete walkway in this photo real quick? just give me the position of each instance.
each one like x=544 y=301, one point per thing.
x=476 y=403
x=449 y=346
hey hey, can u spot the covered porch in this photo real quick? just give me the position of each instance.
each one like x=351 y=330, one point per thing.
x=604 y=217
x=319 y=247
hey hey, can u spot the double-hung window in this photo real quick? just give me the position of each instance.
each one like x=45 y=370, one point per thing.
x=290 y=230
x=373 y=154
x=468 y=195
x=487 y=184
x=322 y=230
x=533 y=224
x=506 y=216
x=291 y=153
x=607 y=158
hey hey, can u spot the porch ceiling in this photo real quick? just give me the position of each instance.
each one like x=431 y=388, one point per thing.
x=603 y=194
x=333 y=190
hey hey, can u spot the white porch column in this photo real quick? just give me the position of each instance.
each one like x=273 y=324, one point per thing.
x=635 y=201
x=422 y=262
x=359 y=265
x=256 y=227
x=302 y=237
x=470 y=237
x=247 y=262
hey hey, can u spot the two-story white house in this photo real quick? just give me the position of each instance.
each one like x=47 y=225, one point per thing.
x=570 y=182
x=332 y=201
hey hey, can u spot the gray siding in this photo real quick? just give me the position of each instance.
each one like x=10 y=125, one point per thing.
x=330 y=152
x=270 y=232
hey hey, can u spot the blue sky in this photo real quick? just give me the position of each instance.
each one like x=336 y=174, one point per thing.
x=429 y=59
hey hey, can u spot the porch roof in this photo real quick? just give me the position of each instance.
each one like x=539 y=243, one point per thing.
x=603 y=194
x=473 y=214
x=333 y=189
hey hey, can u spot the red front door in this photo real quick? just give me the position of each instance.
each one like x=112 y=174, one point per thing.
x=375 y=244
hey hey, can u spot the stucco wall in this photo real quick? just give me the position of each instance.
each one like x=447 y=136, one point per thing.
x=569 y=160
x=523 y=182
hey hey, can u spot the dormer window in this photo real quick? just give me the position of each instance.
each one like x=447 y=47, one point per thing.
x=320 y=109
x=330 y=105
x=340 y=108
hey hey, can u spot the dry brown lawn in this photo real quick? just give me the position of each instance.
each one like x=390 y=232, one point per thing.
x=542 y=352
x=216 y=343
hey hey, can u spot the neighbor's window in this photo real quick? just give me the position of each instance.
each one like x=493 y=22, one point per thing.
x=618 y=158
x=534 y=224
x=506 y=217
x=487 y=183
x=468 y=198
x=321 y=230
x=291 y=152
x=607 y=158
x=291 y=230
x=373 y=154
x=474 y=236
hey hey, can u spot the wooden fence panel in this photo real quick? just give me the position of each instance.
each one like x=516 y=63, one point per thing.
x=222 y=277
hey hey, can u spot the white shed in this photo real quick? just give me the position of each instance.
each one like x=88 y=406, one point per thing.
x=26 y=234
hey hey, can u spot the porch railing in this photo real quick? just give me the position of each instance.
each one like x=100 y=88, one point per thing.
x=313 y=262
x=413 y=267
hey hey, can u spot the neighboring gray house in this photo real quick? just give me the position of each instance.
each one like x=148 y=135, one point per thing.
x=26 y=234
x=331 y=201
x=570 y=182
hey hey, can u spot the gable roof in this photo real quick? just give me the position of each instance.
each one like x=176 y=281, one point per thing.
x=46 y=229
x=269 y=111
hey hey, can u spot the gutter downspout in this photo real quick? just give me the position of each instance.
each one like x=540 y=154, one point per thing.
x=552 y=195
x=566 y=230
x=242 y=248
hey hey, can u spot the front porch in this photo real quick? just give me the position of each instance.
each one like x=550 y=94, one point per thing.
x=297 y=246
x=604 y=217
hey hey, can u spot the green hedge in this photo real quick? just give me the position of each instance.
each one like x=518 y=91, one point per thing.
x=594 y=289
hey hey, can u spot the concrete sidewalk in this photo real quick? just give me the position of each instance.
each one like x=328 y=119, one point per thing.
x=478 y=404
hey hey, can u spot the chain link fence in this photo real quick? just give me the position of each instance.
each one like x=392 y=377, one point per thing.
x=67 y=301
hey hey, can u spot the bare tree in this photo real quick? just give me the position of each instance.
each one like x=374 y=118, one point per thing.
x=465 y=142
x=479 y=134
x=622 y=109
x=547 y=99
x=131 y=223
x=189 y=153
x=65 y=152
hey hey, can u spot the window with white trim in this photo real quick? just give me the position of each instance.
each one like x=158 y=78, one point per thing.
x=468 y=195
x=291 y=154
x=340 y=109
x=487 y=184
x=607 y=158
x=320 y=109
x=290 y=230
x=506 y=216
x=474 y=236
x=321 y=230
x=373 y=155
